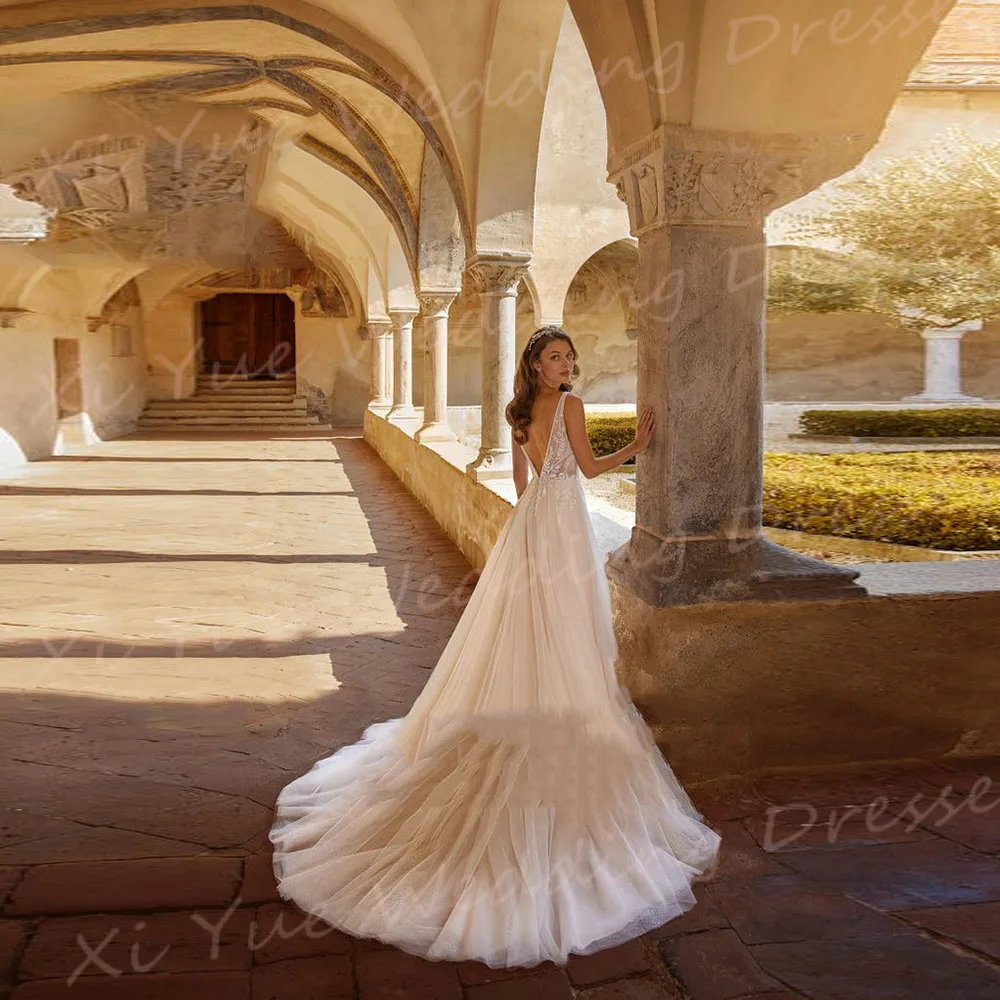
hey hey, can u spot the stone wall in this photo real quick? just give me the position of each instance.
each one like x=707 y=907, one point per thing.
x=743 y=687
x=471 y=513
x=858 y=357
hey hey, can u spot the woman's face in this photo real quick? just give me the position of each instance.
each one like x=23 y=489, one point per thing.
x=555 y=363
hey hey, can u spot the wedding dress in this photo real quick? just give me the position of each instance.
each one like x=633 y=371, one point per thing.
x=520 y=811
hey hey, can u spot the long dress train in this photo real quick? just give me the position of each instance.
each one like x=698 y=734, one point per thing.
x=520 y=811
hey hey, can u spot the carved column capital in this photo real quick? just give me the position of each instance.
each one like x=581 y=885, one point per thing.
x=683 y=176
x=436 y=303
x=402 y=316
x=378 y=328
x=497 y=275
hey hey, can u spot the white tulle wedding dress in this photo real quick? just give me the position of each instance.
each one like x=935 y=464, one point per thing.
x=520 y=811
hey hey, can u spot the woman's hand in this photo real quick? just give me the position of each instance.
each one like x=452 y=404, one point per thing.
x=643 y=429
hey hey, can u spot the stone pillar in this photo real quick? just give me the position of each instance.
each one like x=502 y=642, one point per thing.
x=402 y=357
x=496 y=279
x=434 y=308
x=380 y=338
x=943 y=364
x=696 y=203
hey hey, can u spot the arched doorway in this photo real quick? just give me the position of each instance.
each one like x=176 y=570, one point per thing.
x=248 y=332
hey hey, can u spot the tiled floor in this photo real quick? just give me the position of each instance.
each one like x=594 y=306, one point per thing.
x=188 y=624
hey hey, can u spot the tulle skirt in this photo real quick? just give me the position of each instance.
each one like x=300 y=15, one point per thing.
x=520 y=811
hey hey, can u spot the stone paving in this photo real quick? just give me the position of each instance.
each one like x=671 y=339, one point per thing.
x=187 y=624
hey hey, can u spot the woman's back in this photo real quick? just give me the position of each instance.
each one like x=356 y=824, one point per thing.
x=557 y=459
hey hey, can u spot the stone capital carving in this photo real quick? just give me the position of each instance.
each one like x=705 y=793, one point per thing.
x=378 y=328
x=95 y=324
x=436 y=303
x=403 y=316
x=497 y=275
x=684 y=176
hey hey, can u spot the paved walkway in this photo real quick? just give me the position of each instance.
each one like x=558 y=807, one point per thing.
x=187 y=624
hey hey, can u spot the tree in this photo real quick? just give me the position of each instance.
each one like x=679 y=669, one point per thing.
x=802 y=279
x=923 y=233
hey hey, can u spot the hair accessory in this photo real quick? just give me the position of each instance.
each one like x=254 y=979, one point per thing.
x=537 y=335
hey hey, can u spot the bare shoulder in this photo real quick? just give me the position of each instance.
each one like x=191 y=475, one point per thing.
x=573 y=404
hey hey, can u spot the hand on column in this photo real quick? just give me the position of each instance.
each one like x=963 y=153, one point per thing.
x=643 y=429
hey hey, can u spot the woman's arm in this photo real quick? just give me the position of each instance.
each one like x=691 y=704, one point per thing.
x=576 y=431
x=520 y=463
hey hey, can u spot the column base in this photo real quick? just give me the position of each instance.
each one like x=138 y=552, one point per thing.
x=491 y=463
x=380 y=406
x=686 y=571
x=397 y=413
x=437 y=430
x=942 y=397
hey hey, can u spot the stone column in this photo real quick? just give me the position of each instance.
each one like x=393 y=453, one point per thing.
x=943 y=364
x=696 y=203
x=434 y=308
x=402 y=389
x=380 y=338
x=496 y=279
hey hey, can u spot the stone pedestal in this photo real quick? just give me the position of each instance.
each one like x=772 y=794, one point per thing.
x=496 y=279
x=434 y=308
x=696 y=203
x=943 y=364
x=380 y=338
x=402 y=357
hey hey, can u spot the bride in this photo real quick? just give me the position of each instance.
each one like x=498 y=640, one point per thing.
x=520 y=811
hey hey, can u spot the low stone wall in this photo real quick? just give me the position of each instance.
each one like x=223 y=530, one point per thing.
x=753 y=687
x=471 y=513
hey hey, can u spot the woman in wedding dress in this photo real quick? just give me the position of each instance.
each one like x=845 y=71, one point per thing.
x=520 y=811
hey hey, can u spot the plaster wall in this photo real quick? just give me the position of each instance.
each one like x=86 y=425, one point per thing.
x=859 y=357
x=28 y=419
x=332 y=367
x=113 y=393
x=577 y=210
x=113 y=363
x=171 y=344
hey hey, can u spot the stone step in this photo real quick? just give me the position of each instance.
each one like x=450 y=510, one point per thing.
x=243 y=377
x=247 y=389
x=230 y=407
x=225 y=421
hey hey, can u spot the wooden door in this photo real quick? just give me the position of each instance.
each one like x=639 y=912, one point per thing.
x=274 y=333
x=248 y=332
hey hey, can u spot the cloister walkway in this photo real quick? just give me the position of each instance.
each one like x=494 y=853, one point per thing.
x=189 y=623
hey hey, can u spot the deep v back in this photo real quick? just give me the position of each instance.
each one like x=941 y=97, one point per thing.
x=554 y=430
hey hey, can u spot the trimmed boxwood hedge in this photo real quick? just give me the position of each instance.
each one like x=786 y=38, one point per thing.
x=609 y=432
x=946 y=422
x=943 y=500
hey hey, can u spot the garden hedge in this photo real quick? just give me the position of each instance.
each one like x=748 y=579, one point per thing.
x=945 y=422
x=609 y=432
x=941 y=500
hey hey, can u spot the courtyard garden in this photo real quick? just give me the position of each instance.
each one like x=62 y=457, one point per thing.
x=932 y=500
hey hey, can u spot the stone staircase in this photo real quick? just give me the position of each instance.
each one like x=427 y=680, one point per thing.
x=233 y=402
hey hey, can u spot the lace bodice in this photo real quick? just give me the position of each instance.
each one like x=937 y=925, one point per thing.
x=559 y=462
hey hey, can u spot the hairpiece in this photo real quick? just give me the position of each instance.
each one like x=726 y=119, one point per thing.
x=543 y=332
